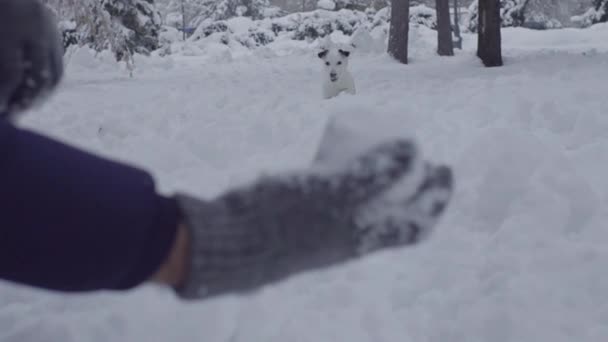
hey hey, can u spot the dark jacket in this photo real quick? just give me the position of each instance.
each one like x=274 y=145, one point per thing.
x=72 y=221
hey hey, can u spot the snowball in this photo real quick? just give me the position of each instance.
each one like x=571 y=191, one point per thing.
x=352 y=131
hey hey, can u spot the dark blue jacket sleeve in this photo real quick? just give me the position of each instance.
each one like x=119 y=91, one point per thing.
x=72 y=221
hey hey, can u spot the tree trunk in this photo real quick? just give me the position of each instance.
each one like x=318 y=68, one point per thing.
x=399 y=30
x=488 y=35
x=481 y=10
x=183 y=20
x=445 y=46
x=458 y=42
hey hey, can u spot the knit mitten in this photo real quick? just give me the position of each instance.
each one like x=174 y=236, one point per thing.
x=286 y=224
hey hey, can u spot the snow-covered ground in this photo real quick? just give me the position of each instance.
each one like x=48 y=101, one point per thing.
x=521 y=254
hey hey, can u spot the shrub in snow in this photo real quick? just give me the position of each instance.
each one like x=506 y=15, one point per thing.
x=208 y=28
x=254 y=37
x=356 y=5
x=596 y=14
x=200 y=11
x=318 y=24
x=243 y=30
x=366 y=29
x=259 y=37
x=540 y=21
x=423 y=15
x=419 y=15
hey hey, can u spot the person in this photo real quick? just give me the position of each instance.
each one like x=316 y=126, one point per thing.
x=71 y=221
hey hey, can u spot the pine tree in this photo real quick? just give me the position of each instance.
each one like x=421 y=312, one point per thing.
x=140 y=18
x=596 y=14
x=123 y=26
x=257 y=8
x=601 y=8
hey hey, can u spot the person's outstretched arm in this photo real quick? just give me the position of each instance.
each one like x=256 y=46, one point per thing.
x=72 y=221
x=75 y=222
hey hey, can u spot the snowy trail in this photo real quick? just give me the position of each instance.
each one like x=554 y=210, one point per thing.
x=520 y=255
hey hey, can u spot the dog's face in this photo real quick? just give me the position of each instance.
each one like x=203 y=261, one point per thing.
x=335 y=63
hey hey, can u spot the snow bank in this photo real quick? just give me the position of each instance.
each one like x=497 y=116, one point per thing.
x=368 y=30
x=80 y=60
x=85 y=58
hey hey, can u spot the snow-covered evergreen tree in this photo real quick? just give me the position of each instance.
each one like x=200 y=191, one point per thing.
x=124 y=26
x=199 y=11
x=419 y=15
x=139 y=20
x=601 y=7
x=598 y=13
x=546 y=14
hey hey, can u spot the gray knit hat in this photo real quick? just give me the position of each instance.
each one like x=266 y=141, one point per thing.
x=31 y=55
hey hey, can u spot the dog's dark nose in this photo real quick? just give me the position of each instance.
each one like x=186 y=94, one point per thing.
x=333 y=76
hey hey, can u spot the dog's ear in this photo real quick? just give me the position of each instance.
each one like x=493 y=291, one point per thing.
x=344 y=53
x=323 y=53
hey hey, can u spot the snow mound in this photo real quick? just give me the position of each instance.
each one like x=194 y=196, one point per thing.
x=367 y=30
x=85 y=58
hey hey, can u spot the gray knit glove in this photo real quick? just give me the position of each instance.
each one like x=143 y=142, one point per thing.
x=287 y=224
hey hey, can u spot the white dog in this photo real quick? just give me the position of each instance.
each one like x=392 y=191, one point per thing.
x=336 y=77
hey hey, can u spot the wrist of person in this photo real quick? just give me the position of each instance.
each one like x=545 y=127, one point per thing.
x=174 y=269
